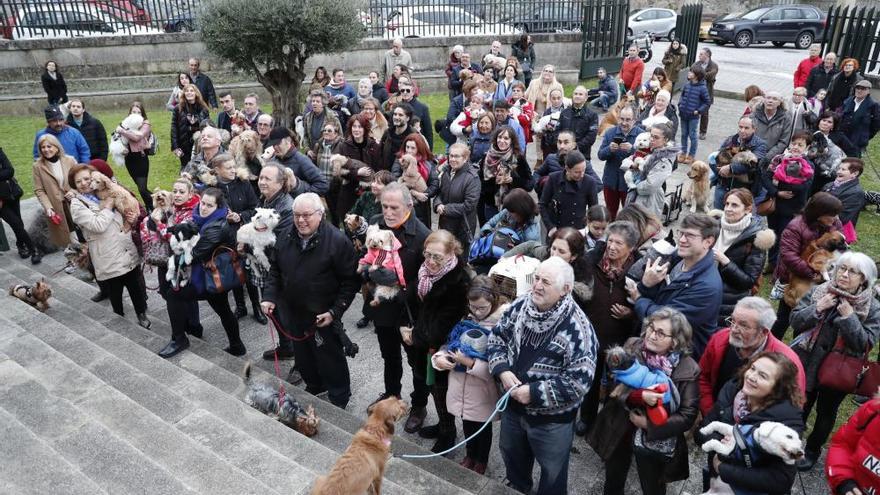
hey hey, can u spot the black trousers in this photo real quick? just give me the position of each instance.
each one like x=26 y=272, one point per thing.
x=617 y=466
x=650 y=469
x=827 y=401
x=419 y=360
x=180 y=313
x=389 y=346
x=138 y=166
x=132 y=282
x=253 y=295
x=478 y=447
x=193 y=323
x=10 y=212
x=321 y=362
x=783 y=318
x=590 y=406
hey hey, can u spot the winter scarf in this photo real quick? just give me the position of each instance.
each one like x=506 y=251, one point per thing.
x=741 y=407
x=861 y=302
x=201 y=221
x=533 y=327
x=731 y=231
x=495 y=158
x=427 y=279
x=612 y=271
x=663 y=363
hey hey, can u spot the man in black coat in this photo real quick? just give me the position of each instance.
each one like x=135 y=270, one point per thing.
x=399 y=217
x=568 y=194
x=579 y=119
x=396 y=133
x=310 y=286
x=91 y=128
x=861 y=119
x=820 y=76
x=203 y=82
x=420 y=110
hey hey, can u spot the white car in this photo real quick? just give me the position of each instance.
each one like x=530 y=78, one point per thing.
x=437 y=21
x=70 y=21
x=659 y=22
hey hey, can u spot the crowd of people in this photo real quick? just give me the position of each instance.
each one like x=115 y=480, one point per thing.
x=363 y=203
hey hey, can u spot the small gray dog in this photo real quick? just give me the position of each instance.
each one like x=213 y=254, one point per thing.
x=264 y=398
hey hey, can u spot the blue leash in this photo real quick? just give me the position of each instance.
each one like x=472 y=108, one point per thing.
x=500 y=406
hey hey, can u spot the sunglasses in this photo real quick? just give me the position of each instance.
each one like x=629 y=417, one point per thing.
x=405 y=91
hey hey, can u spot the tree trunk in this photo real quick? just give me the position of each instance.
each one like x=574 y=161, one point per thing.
x=284 y=91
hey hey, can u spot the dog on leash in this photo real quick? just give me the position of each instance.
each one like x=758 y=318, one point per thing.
x=123 y=201
x=36 y=295
x=362 y=465
x=818 y=254
x=259 y=233
x=290 y=413
x=768 y=438
x=696 y=190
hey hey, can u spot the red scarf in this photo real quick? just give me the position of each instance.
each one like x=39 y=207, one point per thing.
x=427 y=279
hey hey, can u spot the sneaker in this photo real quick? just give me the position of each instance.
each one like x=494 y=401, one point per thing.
x=70 y=269
x=778 y=291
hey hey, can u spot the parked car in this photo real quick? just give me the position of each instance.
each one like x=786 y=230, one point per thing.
x=431 y=21
x=778 y=24
x=660 y=22
x=706 y=25
x=549 y=18
x=45 y=21
x=182 y=22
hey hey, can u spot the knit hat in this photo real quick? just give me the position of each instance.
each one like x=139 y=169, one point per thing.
x=53 y=113
x=102 y=166
x=476 y=340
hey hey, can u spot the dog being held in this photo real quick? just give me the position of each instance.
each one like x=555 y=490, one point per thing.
x=259 y=233
x=180 y=261
x=36 y=295
x=361 y=467
x=246 y=148
x=696 y=191
x=119 y=147
x=264 y=398
x=818 y=254
x=410 y=176
x=769 y=437
x=610 y=119
x=355 y=230
x=123 y=201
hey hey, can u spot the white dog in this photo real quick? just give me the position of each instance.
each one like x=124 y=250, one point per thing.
x=180 y=261
x=632 y=165
x=119 y=143
x=767 y=438
x=259 y=233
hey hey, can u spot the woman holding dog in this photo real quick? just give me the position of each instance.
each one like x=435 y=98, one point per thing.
x=503 y=169
x=111 y=250
x=661 y=451
x=741 y=249
x=818 y=217
x=654 y=171
x=674 y=60
x=841 y=311
x=766 y=389
x=137 y=162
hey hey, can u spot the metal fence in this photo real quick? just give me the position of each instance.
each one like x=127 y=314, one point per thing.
x=46 y=19
x=853 y=32
x=604 y=26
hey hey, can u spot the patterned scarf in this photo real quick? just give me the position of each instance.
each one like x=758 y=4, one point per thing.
x=495 y=158
x=741 y=407
x=611 y=270
x=665 y=363
x=860 y=302
x=533 y=326
x=427 y=279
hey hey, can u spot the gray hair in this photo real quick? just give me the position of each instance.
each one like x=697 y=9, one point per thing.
x=397 y=187
x=766 y=314
x=311 y=199
x=681 y=329
x=861 y=262
x=627 y=230
x=665 y=94
x=269 y=116
x=563 y=273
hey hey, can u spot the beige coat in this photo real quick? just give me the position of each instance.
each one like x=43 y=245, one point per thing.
x=51 y=196
x=112 y=251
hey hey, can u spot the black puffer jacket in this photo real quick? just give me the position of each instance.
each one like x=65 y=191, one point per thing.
x=443 y=306
x=240 y=197
x=184 y=124
x=93 y=131
x=747 y=254
x=768 y=474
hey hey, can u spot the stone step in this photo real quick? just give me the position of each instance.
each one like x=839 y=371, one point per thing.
x=312 y=455
x=111 y=463
x=141 y=82
x=189 y=457
x=223 y=372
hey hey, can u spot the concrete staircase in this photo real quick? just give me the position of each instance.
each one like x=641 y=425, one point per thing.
x=86 y=406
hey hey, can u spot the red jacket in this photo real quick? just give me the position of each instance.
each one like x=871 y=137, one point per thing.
x=803 y=71
x=631 y=73
x=854 y=453
x=710 y=364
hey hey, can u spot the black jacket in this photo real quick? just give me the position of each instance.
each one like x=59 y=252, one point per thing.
x=412 y=235
x=305 y=171
x=183 y=125
x=421 y=111
x=56 y=89
x=747 y=256
x=240 y=197
x=380 y=93
x=585 y=125
x=819 y=79
x=7 y=172
x=206 y=87
x=769 y=474
x=307 y=281
x=522 y=180
x=93 y=131
x=211 y=236
x=564 y=203
x=444 y=306
x=459 y=196
x=391 y=143
x=281 y=203
x=850 y=194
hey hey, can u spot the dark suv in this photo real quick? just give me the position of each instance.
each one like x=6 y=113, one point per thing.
x=549 y=18
x=778 y=24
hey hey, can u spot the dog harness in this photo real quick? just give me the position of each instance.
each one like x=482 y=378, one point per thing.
x=746 y=446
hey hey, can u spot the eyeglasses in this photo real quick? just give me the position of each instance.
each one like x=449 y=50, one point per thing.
x=848 y=269
x=733 y=324
x=405 y=91
x=434 y=256
x=689 y=235
x=654 y=330
x=303 y=216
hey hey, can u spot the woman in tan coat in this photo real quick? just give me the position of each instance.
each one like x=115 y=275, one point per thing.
x=50 y=185
x=538 y=94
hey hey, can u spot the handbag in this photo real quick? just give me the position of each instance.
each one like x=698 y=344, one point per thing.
x=767 y=207
x=156 y=250
x=849 y=233
x=9 y=189
x=223 y=271
x=850 y=374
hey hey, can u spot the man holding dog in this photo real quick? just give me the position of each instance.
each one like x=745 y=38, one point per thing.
x=310 y=285
x=617 y=145
x=733 y=176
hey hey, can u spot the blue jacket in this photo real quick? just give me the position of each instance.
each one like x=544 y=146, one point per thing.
x=694 y=96
x=756 y=145
x=609 y=85
x=696 y=293
x=639 y=376
x=528 y=232
x=71 y=140
x=860 y=125
x=346 y=90
x=612 y=176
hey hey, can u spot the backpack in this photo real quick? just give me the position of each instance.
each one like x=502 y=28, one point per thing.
x=491 y=246
x=154 y=145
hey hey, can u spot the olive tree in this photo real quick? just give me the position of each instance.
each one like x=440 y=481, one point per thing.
x=273 y=39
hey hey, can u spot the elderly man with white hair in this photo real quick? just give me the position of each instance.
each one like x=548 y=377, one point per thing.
x=747 y=334
x=544 y=351
x=396 y=56
x=310 y=285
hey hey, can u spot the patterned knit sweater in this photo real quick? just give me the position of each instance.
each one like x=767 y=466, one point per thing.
x=563 y=371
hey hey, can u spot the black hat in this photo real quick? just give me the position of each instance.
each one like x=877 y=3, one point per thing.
x=502 y=104
x=53 y=113
x=278 y=134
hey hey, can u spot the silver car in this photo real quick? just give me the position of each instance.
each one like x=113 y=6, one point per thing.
x=659 y=22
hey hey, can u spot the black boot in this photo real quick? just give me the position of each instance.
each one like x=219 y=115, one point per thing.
x=807 y=462
x=36 y=257
x=24 y=251
x=445 y=440
x=174 y=348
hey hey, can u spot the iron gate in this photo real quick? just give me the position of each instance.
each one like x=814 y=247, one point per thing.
x=604 y=38
x=851 y=32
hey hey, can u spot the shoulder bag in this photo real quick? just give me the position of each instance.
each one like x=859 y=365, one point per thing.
x=223 y=271
x=844 y=372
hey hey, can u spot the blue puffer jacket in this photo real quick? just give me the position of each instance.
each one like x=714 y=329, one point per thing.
x=612 y=176
x=694 y=97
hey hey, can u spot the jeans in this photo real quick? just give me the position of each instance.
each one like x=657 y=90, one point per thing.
x=522 y=444
x=689 y=132
x=604 y=100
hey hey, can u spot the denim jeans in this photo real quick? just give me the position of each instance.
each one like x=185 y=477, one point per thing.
x=522 y=444
x=604 y=100
x=689 y=132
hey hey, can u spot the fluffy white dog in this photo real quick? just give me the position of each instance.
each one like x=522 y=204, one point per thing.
x=632 y=165
x=259 y=233
x=119 y=143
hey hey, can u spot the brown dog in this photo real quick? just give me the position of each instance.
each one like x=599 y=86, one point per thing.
x=362 y=465
x=610 y=119
x=818 y=254
x=36 y=295
x=123 y=201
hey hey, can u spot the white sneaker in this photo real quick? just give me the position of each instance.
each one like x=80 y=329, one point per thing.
x=778 y=291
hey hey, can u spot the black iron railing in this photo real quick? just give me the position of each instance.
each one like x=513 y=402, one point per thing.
x=852 y=31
